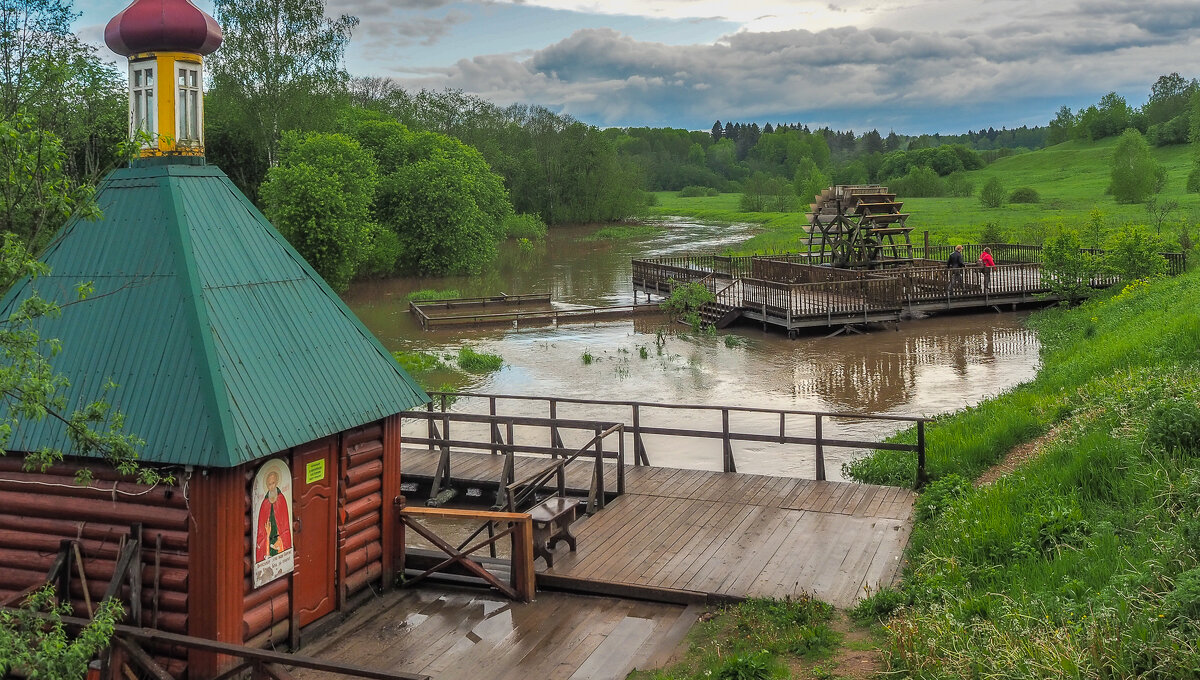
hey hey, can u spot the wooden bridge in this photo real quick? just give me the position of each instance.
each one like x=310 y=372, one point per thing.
x=668 y=534
x=802 y=290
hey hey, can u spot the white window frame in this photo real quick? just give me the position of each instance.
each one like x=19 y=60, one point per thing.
x=137 y=97
x=182 y=100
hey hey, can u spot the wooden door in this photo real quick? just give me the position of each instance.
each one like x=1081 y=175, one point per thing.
x=314 y=487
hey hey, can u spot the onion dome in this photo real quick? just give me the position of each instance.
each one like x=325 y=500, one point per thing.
x=162 y=26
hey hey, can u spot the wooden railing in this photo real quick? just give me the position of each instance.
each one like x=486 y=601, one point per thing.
x=517 y=526
x=502 y=440
x=127 y=656
x=635 y=425
x=522 y=491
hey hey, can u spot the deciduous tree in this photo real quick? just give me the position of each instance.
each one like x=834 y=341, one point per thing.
x=320 y=197
x=1136 y=176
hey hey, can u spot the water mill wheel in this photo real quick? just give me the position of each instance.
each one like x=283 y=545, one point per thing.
x=859 y=226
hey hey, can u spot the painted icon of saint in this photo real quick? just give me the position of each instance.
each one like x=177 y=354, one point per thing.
x=274 y=526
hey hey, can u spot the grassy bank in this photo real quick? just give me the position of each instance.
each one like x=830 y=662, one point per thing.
x=1086 y=561
x=1070 y=179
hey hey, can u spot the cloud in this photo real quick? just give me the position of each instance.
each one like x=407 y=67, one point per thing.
x=419 y=30
x=873 y=73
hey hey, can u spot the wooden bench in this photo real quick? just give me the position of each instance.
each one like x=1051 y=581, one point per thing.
x=552 y=523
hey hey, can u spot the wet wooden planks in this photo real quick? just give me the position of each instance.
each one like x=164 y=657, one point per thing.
x=451 y=633
x=729 y=534
x=740 y=535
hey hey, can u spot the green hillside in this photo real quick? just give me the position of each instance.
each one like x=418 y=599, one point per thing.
x=1070 y=178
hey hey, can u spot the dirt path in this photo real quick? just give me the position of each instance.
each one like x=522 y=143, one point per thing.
x=1016 y=456
x=857 y=658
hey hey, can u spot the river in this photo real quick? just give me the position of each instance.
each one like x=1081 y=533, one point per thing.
x=925 y=367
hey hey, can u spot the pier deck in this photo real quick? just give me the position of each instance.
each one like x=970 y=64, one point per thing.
x=698 y=535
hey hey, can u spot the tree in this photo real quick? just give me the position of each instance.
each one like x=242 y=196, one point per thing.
x=1061 y=126
x=1066 y=269
x=992 y=193
x=1168 y=98
x=755 y=193
x=873 y=142
x=1160 y=211
x=716 y=131
x=279 y=68
x=1136 y=176
x=438 y=195
x=319 y=197
x=36 y=196
x=57 y=80
x=1193 y=178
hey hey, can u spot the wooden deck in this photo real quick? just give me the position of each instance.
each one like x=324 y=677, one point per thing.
x=719 y=535
x=451 y=634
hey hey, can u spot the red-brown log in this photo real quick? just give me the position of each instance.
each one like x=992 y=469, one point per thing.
x=21 y=503
x=361 y=473
x=361 y=557
x=256 y=596
x=364 y=453
x=126 y=492
x=358 y=525
x=363 y=490
x=71 y=528
x=262 y=617
x=356 y=541
x=366 y=433
x=361 y=507
x=14 y=462
x=90 y=548
x=359 y=579
x=276 y=633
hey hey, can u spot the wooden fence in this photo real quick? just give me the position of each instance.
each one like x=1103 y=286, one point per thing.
x=635 y=424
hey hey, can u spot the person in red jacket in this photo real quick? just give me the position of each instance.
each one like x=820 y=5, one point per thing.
x=985 y=259
x=274 y=526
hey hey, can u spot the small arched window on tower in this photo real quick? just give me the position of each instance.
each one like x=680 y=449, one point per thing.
x=141 y=92
x=188 y=123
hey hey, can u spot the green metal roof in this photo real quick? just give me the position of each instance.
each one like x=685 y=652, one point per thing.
x=225 y=345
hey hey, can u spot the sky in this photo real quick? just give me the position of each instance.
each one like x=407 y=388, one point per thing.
x=913 y=66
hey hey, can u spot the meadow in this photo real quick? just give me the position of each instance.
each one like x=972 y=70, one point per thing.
x=1070 y=179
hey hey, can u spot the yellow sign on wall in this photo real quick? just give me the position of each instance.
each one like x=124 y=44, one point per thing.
x=314 y=471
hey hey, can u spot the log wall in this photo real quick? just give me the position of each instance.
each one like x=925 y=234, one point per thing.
x=360 y=510
x=39 y=510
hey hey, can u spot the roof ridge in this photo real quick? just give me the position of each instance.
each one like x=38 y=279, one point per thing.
x=189 y=277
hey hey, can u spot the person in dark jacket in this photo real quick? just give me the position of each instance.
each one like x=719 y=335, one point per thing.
x=955 y=264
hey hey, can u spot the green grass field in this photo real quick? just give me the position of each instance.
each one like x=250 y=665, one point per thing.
x=1071 y=179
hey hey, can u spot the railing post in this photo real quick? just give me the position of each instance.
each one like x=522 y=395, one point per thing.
x=495 y=428
x=621 y=461
x=820 y=452
x=639 y=448
x=729 y=465
x=555 y=439
x=429 y=421
x=522 y=556
x=922 y=477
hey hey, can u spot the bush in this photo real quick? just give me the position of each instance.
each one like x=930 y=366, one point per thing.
x=1136 y=175
x=990 y=233
x=524 y=225
x=1134 y=253
x=992 y=193
x=685 y=303
x=694 y=190
x=1174 y=425
x=1024 y=195
x=920 y=182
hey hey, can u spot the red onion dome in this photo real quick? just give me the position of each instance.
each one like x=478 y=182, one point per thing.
x=162 y=26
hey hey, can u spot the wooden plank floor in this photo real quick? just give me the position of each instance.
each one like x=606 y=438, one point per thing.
x=729 y=534
x=452 y=633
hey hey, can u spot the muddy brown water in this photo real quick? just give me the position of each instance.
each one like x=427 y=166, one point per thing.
x=921 y=368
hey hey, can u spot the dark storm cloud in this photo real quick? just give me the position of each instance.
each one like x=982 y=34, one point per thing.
x=604 y=77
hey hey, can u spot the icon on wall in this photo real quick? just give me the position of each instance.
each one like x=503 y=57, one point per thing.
x=271 y=501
